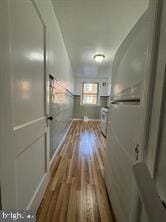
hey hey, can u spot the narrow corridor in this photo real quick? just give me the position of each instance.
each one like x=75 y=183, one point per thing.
x=76 y=191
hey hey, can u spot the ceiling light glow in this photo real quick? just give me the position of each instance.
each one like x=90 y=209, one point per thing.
x=99 y=57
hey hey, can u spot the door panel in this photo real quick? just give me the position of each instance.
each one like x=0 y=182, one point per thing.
x=30 y=168
x=119 y=181
x=27 y=60
x=27 y=47
x=129 y=62
x=124 y=123
x=120 y=155
x=28 y=134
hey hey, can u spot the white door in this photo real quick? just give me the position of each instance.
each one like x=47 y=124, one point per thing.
x=24 y=162
x=122 y=139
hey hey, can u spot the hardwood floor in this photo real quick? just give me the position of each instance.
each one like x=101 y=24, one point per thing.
x=76 y=192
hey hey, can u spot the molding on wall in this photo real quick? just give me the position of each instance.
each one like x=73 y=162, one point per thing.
x=61 y=84
x=38 y=195
x=59 y=146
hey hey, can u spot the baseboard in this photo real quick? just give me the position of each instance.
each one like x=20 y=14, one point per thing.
x=39 y=193
x=86 y=121
x=59 y=146
x=98 y=120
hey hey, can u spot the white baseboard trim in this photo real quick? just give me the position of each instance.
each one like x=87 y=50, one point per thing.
x=88 y=120
x=59 y=146
x=98 y=120
x=39 y=193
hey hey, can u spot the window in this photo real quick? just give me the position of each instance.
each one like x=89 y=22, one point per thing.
x=90 y=93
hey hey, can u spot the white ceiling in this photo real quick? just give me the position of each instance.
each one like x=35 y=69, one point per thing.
x=95 y=26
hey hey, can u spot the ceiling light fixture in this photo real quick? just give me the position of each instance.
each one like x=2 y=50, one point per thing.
x=99 y=57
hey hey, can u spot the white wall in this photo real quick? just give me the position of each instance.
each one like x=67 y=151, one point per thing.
x=103 y=90
x=59 y=63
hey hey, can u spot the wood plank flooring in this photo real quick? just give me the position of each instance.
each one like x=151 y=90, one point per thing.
x=76 y=192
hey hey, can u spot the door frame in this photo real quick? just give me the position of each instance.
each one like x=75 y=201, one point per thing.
x=150 y=73
x=147 y=98
x=46 y=85
x=158 y=99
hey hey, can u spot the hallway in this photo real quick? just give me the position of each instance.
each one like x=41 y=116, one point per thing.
x=83 y=110
x=76 y=191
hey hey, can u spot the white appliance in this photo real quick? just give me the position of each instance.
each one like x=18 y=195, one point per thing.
x=104 y=117
x=124 y=117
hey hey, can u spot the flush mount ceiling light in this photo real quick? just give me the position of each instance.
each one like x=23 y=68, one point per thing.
x=99 y=57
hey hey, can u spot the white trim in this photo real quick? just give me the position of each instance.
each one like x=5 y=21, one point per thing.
x=146 y=103
x=59 y=146
x=158 y=99
x=76 y=119
x=29 y=123
x=38 y=194
x=94 y=120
